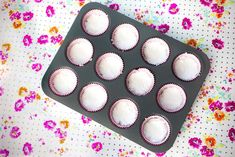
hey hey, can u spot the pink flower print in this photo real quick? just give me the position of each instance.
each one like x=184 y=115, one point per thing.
x=114 y=6
x=1 y=91
x=4 y=152
x=206 y=2
x=15 y=16
x=217 y=105
x=27 y=149
x=231 y=134
x=50 y=11
x=61 y=134
x=206 y=151
x=31 y=97
x=50 y=125
x=163 y=28
x=19 y=105
x=186 y=23
x=38 y=1
x=97 y=146
x=3 y=56
x=195 y=142
x=173 y=9
x=27 y=16
x=217 y=9
x=218 y=43
x=56 y=39
x=37 y=67
x=15 y=132
x=85 y=119
x=27 y=40
x=230 y=106
x=43 y=39
x=160 y=154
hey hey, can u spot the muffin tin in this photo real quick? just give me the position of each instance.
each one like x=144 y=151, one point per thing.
x=147 y=104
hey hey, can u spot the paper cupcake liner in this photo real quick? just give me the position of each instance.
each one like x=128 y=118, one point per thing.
x=142 y=52
x=152 y=117
x=81 y=92
x=111 y=117
x=132 y=71
x=51 y=86
x=98 y=61
x=114 y=31
x=173 y=67
x=74 y=41
x=86 y=15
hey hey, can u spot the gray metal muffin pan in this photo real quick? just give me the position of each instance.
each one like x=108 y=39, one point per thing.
x=116 y=89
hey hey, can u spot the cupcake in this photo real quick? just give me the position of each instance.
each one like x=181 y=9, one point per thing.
x=125 y=37
x=80 y=51
x=187 y=67
x=123 y=113
x=155 y=130
x=93 y=97
x=63 y=81
x=109 y=66
x=95 y=22
x=171 y=98
x=140 y=81
x=155 y=51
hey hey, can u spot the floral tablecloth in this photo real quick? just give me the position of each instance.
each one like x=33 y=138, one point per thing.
x=31 y=124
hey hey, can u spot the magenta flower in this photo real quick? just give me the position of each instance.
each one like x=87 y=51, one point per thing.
x=160 y=154
x=1 y=91
x=3 y=56
x=216 y=8
x=163 y=28
x=85 y=119
x=4 y=152
x=173 y=9
x=15 y=16
x=230 y=106
x=27 y=16
x=217 y=105
x=61 y=134
x=206 y=2
x=186 y=23
x=114 y=6
x=31 y=97
x=37 y=67
x=27 y=40
x=218 y=43
x=43 y=39
x=19 y=105
x=231 y=134
x=206 y=151
x=50 y=125
x=27 y=148
x=97 y=146
x=38 y=1
x=50 y=11
x=56 y=39
x=195 y=142
x=15 y=132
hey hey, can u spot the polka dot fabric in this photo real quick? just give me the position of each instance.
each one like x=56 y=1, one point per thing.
x=33 y=125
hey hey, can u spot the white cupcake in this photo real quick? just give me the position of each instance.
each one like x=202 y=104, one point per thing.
x=140 y=81
x=155 y=51
x=93 y=97
x=187 y=67
x=80 y=51
x=125 y=37
x=109 y=66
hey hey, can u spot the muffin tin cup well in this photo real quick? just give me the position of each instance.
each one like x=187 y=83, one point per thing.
x=116 y=89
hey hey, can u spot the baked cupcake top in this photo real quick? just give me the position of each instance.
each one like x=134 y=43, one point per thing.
x=123 y=113
x=95 y=22
x=125 y=37
x=80 y=51
x=140 y=81
x=109 y=66
x=187 y=67
x=93 y=97
x=155 y=51
x=63 y=81
x=171 y=98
